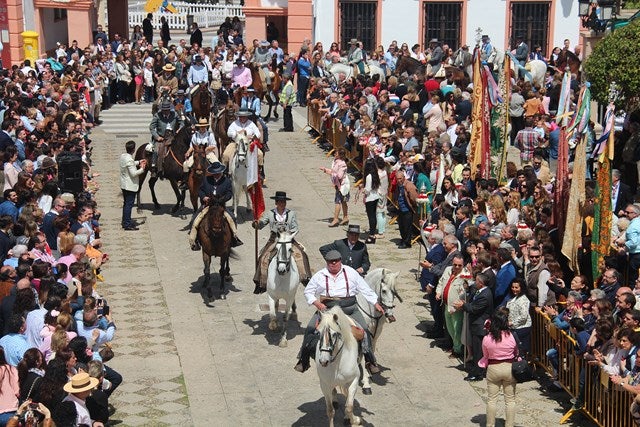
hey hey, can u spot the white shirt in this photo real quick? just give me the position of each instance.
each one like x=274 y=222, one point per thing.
x=249 y=126
x=206 y=139
x=81 y=408
x=338 y=286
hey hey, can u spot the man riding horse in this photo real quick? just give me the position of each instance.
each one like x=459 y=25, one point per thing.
x=262 y=58
x=337 y=285
x=279 y=218
x=182 y=105
x=167 y=82
x=198 y=73
x=356 y=55
x=204 y=138
x=242 y=126
x=437 y=55
x=252 y=103
x=215 y=184
x=164 y=122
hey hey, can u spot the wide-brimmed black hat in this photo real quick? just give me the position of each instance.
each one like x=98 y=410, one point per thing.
x=216 y=167
x=280 y=195
x=353 y=228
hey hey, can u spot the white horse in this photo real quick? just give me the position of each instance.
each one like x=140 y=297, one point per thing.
x=337 y=361
x=238 y=171
x=346 y=69
x=535 y=69
x=383 y=282
x=282 y=282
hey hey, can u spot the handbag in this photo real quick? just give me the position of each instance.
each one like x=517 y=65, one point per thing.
x=520 y=369
x=345 y=187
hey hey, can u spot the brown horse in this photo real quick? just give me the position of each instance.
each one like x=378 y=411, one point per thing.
x=196 y=174
x=566 y=58
x=214 y=235
x=177 y=145
x=201 y=102
x=456 y=75
x=220 y=124
x=409 y=65
x=262 y=93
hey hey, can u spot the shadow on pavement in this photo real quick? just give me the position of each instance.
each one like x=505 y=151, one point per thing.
x=261 y=327
x=316 y=413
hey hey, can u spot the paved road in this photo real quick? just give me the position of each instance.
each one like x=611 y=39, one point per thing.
x=189 y=363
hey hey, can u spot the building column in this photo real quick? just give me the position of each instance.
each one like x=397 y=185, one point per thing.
x=16 y=27
x=300 y=23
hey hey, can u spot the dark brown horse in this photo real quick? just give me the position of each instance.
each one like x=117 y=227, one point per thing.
x=196 y=174
x=201 y=102
x=214 y=235
x=409 y=65
x=456 y=75
x=220 y=124
x=566 y=58
x=176 y=147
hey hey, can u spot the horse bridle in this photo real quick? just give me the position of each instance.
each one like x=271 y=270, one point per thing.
x=326 y=336
x=241 y=153
x=378 y=292
x=287 y=263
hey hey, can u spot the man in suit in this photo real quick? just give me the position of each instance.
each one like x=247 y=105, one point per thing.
x=505 y=275
x=405 y=112
x=147 y=28
x=450 y=244
x=621 y=194
x=354 y=252
x=543 y=173
x=462 y=219
x=479 y=308
x=5 y=137
x=57 y=208
x=522 y=50
x=434 y=256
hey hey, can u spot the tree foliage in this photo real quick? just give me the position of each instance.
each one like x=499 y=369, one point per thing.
x=616 y=58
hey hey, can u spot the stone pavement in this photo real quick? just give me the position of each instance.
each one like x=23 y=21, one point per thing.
x=186 y=362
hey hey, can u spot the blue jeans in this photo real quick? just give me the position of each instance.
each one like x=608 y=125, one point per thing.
x=5 y=417
x=127 y=206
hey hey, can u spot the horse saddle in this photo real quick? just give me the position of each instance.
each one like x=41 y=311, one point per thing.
x=216 y=84
x=356 y=70
x=263 y=76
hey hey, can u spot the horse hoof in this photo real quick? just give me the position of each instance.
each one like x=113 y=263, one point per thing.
x=366 y=391
x=283 y=343
x=223 y=296
x=356 y=421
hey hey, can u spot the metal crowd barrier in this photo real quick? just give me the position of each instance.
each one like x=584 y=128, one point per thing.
x=604 y=402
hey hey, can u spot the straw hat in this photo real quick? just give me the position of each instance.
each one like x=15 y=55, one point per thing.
x=80 y=382
x=203 y=122
x=169 y=68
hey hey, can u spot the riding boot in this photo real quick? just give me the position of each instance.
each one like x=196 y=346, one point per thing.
x=261 y=172
x=235 y=241
x=265 y=147
x=369 y=357
x=303 y=360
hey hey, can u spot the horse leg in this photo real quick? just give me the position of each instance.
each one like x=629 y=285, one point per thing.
x=138 y=204
x=178 y=193
x=224 y=272
x=348 y=409
x=364 y=376
x=249 y=204
x=273 y=314
x=275 y=111
x=152 y=187
x=329 y=393
x=206 y=258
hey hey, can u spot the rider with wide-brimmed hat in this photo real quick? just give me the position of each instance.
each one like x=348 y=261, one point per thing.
x=251 y=102
x=277 y=218
x=337 y=285
x=240 y=127
x=201 y=138
x=436 y=57
x=167 y=82
x=215 y=184
x=165 y=120
x=356 y=55
x=198 y=73
x=354 y=252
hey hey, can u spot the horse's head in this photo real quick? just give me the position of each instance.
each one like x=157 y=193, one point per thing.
x=335 y=334
x=242 y=146
x=199 y=159
x=387 y=293
x=284 y=247
x=216 y=214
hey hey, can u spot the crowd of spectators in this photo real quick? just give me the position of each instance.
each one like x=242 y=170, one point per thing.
x=480 y=233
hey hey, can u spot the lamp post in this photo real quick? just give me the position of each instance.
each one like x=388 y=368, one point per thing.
x=596 y=15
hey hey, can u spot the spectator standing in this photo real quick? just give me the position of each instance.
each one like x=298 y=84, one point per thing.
x=147 y=28
x=129 y=183
x=165 y=35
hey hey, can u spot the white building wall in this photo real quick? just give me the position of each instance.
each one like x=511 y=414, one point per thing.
x=400 y=21
x=325 y=22
x=491 y=16
x=567 y=23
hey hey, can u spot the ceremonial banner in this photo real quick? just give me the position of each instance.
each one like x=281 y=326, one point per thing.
x=561 y=193
x=476 y=115
x=601 y=236
x=571 y=239
x=500 y=140
x=254 y=183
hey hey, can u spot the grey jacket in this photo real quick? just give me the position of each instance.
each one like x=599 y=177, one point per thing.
x=269 y=217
